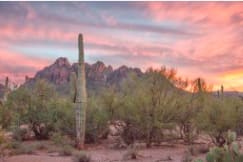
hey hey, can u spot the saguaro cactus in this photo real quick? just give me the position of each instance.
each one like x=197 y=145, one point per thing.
x=81 y=97
x=199 y=84
x=222 y=91
x=6 y=89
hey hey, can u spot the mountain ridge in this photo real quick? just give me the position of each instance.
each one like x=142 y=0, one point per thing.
x=98 y=74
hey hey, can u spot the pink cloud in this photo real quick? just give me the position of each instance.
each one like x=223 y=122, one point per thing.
x=17 y=66
x=217 y=13
x=30 y=32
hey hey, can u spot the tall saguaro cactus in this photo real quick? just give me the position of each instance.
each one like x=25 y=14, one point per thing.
x=6 y=89
x=222 y=91
x=199 y=84
x=81 y=97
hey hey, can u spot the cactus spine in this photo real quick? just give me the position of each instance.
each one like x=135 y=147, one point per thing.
x=81 y=97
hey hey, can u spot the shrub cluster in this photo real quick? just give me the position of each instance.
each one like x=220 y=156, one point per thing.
x=154 y=107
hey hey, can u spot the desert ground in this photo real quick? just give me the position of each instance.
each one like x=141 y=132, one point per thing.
x=155 y=154
x=103 y=152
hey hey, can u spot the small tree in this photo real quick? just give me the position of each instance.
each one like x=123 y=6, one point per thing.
x=32 y=107
x=37 y=116
x=97 y=120
x=186 y=115
x=217 y=117
x=190 y=105
x=148 y=106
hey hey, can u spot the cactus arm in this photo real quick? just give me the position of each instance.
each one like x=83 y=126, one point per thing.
x=73 y=80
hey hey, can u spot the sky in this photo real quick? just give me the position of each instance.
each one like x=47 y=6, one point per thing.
x=198 y=39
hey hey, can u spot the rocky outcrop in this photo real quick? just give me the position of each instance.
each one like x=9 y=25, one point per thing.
x=98 y=74
x=122 y=72
x=58 y=73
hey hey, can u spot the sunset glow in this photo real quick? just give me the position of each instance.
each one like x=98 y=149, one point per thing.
x=199 y=39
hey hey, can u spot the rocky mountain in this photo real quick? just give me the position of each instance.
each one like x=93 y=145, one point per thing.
x=98 y=74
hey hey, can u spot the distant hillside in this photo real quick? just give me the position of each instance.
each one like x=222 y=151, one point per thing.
x=233 y=93
x=98 y=74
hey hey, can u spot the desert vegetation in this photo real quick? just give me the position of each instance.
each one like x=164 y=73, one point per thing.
x=149 y=109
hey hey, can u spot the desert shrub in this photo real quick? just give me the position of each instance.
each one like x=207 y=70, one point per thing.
x=61 y=140
x=81 y=157
x=198 y=160
x=96 y=120
x=14 y=144
x=131 y=154
x=15 y=106
x=38 y=116
x=17 y=147
x=217 y=117
x=148 y=106
x=66 y=150
x=187 y=110
x=41 y=146
x=57 y=139
x=20 y=134
x=42 y=110
x=6 y=116
x=189 y=106
x=31 y=107
x=63 y=120
x=24 y=149
x=187 y=156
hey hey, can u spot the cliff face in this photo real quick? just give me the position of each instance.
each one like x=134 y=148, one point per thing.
x=98 y=74
x=57 y=73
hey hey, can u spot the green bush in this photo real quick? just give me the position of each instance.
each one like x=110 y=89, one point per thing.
x=14 y=144
x=20 y=134
x=217 y=117
x=96 y=121
x=131 y=154
x=66 y=150
x=24 y=149
x=6 y=116
x=81 y=157
x=148 y=106
x=187 y=157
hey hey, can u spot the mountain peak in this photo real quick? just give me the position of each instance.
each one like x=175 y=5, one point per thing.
x=62 y=61
x=99 y=63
